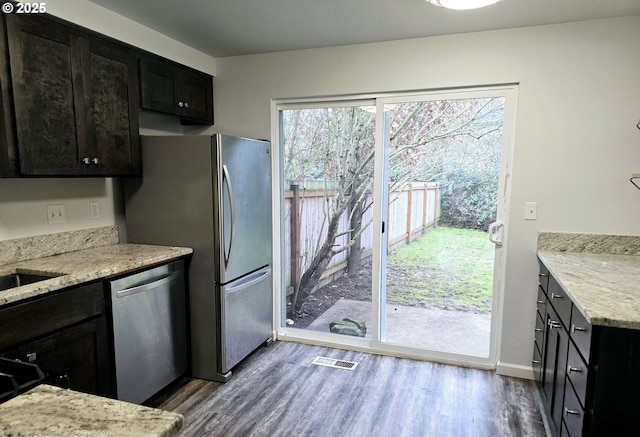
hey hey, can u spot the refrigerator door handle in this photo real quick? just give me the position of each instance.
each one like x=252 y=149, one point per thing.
x=225 y=178
x=248 y=280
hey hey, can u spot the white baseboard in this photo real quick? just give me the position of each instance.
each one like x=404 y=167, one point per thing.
x=514 y=370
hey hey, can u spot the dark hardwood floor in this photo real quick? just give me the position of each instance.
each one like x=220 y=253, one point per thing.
x=278 y=392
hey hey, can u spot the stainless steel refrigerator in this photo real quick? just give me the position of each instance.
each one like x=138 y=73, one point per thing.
x=211 y=193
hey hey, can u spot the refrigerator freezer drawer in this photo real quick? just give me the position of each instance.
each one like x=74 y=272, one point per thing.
x=246 y=309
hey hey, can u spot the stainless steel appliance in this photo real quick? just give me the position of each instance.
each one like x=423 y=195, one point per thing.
x=212 y=193
x=149 y=330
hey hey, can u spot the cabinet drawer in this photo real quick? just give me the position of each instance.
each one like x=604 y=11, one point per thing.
x=573 y=414
x=577 y=372
x=35 y=318
x=543 y=277
x=539 y=330
x=536 y=363
x=560 y=302
x=580 y=333
x=541 y=302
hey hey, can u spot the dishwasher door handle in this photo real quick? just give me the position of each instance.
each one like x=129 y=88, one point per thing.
x=157 y=282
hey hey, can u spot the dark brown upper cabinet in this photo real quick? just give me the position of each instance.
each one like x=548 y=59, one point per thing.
x=9 y=166
x=170 y=88
x=74 y=98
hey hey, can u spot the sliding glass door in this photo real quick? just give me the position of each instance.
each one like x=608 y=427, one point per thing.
x=386 y=206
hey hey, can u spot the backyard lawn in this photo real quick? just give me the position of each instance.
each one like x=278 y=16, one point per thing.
x=445 y=268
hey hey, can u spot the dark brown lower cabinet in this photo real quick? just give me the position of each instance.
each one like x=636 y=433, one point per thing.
x=64 y=333
x=589 y=376
x=76 y=353
x=555 y=362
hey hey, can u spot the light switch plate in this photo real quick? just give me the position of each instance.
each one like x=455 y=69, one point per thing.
x=56 y=214
x=531 y=211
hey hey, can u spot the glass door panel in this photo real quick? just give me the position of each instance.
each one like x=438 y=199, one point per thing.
x=328 y=153
x=442 y=187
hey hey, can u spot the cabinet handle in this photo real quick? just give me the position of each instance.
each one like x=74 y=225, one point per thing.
x=556 y=296
x=539 y=301
x=186 y=104
x=575 y=328
x=31 y=357
x=95 y=160
x=543 y=275
x=572 y=412
x=553 y=324
x=536 y=361
x=538 y=329
x=575 y=369
x=86 y=161
x=180 y=105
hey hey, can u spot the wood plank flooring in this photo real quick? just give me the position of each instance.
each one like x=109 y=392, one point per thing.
x=278 y=392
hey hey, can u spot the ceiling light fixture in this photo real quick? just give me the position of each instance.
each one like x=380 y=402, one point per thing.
x=463 y=4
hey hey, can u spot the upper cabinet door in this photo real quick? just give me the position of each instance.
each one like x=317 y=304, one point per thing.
x=75 y=100
x=196 y=93
x=9 y=166
x=111 y=114
x=158 y=86
x=45 y=65
x=172 y=89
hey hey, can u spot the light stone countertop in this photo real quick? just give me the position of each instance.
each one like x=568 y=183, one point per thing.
x=604 y=287
x=54 y=412
x=73 y=268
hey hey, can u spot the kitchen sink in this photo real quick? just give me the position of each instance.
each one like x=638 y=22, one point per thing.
x=17 y=279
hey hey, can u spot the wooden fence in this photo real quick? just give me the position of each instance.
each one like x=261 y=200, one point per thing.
x=412 y=211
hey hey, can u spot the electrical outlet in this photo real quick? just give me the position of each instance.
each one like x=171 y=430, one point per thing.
x=56 y=214
x=531 y=211
x=94 y=210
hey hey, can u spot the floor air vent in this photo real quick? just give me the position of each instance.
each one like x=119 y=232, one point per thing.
x=336 y=364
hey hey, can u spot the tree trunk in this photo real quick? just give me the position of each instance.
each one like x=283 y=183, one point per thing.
x=312 y=275
x=354 y=261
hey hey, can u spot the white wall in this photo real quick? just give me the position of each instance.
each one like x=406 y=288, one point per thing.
x=576 y=140
x=23 y=201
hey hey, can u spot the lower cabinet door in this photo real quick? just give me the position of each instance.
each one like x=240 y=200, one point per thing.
x=563 y=430
x=555 y=368
x=79 y=353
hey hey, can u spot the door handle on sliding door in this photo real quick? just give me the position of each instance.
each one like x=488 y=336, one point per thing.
x=495 y=233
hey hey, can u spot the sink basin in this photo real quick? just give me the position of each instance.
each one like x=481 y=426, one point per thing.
x=17 y=279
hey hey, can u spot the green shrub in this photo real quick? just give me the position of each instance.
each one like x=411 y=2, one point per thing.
x=469 y=200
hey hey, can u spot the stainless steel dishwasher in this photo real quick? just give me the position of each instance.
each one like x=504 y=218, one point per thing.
x=149 y=330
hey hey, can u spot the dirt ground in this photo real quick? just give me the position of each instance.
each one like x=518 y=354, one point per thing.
x=356 y=287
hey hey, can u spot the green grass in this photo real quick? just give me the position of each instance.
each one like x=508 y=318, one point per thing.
x=445 y=268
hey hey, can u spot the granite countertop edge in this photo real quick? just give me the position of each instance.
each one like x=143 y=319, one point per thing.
x=604 y=287
x=62 y=413
x=86 y=265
